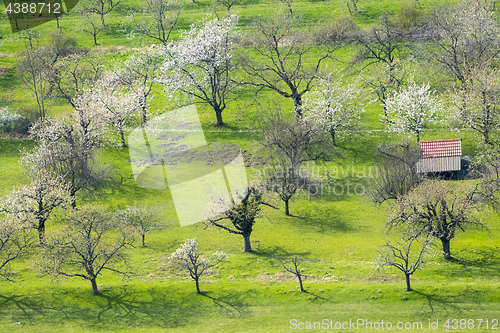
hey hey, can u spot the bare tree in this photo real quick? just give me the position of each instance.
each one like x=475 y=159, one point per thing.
x=487 y=166
x=73 y=74
x=397 y=172
x=94 y=27
x=438 y=209
x=228 y=4
x=294 y=269
x=14 y=239
x=483 y=97
x=32 y=36
x=33 y=204
x=100 y=8
x=89 y=243
x=352 y=7
x=142 y=218
x=409 y=15
x=62 y=45
x=165 y=15
x=282 y=178
x=189 y=259
x=403 y=257
x=35 y=70
x=139 y=72
x=290 y=143
x=242 y=216
x=463 y=37
x=287 y=62
x=384 y=48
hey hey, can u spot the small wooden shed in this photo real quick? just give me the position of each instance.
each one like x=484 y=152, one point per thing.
x=440 y=156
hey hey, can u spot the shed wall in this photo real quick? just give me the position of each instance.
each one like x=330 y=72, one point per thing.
x=438 y=164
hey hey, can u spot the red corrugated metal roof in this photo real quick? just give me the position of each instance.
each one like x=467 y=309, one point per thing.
x=441 y=148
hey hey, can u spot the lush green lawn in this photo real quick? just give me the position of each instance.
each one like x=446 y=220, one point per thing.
x=336 y=235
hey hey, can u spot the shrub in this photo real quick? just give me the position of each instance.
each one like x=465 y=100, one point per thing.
x=9 y=121
x=407 y=16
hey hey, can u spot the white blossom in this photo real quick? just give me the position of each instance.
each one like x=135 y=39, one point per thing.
x=199 y=65
x=108 y=100
x=141 y=218
x=334 y=106
x=67 y=147
x=188 y=258
x=139 y=72
x=32 y=205
x=412 y=109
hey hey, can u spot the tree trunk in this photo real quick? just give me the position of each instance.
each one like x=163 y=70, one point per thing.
x=196 y=280
x=248 y=245
x=464 y=89
x=73 y=200
x=446 y=248
x=41 y=232
x=418 y=139
x=95 y=291
x=144 y=116
x=487 y=137
x=386 y=117
x=297 y=103
x=332 y=133
x=122 y=136
x=95 y=38
x=287 y=210
x=300 y=282
x=143 y=240
x=408 y=287
x=218 y=114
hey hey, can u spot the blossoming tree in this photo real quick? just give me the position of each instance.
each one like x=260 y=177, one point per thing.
x=199 y=65
x=139 y=72
x=333 y=106
x=412 y=108
x=189 y=259
x=33 y=204
x=109 y=99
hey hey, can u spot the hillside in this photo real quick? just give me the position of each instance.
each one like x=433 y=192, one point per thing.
x=338 y=234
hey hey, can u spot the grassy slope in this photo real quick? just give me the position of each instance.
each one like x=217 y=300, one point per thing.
x=337 y=236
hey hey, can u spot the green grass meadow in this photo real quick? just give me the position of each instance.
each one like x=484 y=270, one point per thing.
x=336 y=235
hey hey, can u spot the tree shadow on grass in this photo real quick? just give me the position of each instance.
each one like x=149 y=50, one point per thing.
x=323 y=220
x=132 y=309
x=125 y=186
x=129 y=307
x=438 y=301
x=34 y=307
x=452 y=302
x=486 y=260
x=229 y=304
x=27 y=305
x=271 y=252
x=118 y=309
x=318 y=297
